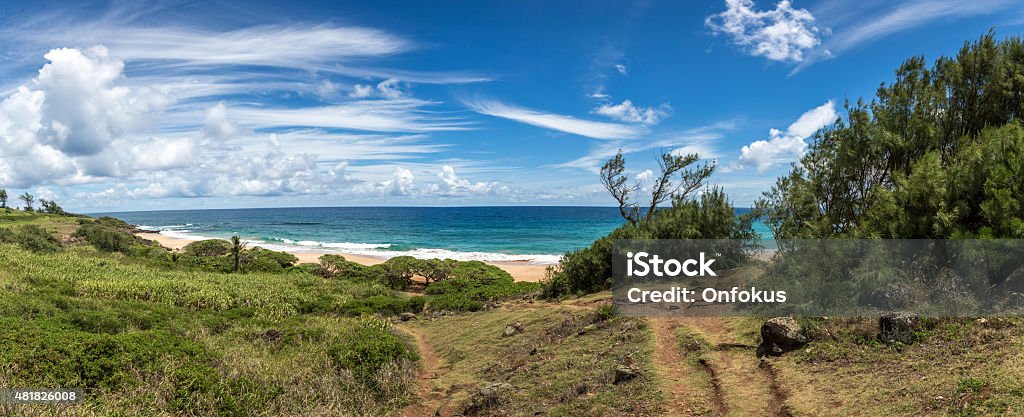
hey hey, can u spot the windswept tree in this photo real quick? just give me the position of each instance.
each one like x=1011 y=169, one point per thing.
x=28 y=199
x=3 y=198
x=676 y=181
x=237 y=251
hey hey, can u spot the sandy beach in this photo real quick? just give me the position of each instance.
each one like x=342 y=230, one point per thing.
x=521 y=271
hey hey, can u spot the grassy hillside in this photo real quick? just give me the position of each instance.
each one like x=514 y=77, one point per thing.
x=146 y=337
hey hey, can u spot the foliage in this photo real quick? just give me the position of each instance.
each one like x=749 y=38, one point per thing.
x=368 y=349
x=208 y=248
x=336 y=266
x=936 y=154
x=106 y=238
x=3 y=198
x=711 y=216
x=28 y=200
x=31 y=237
x=664 y=187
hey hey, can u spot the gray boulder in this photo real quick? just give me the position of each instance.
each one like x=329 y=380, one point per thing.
x=407 y=317
x=898 y=327
x=512 y=329
x=780 y=335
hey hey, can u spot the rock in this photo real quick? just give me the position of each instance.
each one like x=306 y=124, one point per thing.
x=780 y=335
x=625 y=372
x=485 y=397
x=272 y=335
x=407 y=316
x=512 y=329
x=587 y=329
x=898 y=327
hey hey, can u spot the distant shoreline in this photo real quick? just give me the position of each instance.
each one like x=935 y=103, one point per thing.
x=521 y=271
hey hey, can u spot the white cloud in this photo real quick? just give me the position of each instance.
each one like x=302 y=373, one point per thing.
x=391 y=89
x=217 y=125
x=274 y=45
x=813 y=119
x=568 y=124
x=401 y=182
x=327 y=89
x=699 y=141
x=452 y=183
x=627 y=112
x=622 y=70
x=361 y=91
x=56 y=128
x=162 y=154
x=398 y=115
x=781 y=34
x=789 y=146
x=909 y=15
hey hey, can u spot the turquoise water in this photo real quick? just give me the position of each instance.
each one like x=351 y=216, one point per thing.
x=536 y=234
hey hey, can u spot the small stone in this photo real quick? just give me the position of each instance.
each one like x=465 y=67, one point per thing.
x=625 y=372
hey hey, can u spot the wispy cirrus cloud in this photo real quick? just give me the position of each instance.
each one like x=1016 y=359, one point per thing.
x=562 y=123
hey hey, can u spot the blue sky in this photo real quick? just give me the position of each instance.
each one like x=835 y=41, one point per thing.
x=113 y=106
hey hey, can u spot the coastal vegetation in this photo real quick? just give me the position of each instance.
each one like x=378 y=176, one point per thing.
x=145 y=330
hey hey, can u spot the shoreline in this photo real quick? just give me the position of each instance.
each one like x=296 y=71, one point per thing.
x=520 y=271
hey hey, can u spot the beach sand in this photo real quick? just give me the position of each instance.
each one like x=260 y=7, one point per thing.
x=521 y=271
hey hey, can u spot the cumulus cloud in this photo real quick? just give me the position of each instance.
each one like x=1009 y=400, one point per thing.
x=568 y=124
x=780 y=34
x=629 y=113
x=452 y=183
x=789 y=146
x=55 y=128
x=401 y=182
x=218 y=125
x=162 y=154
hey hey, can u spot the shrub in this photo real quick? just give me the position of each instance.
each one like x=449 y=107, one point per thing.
x=30 y=237
x=336 y=266
x=115 y=223
x=283 y=259
x=382 y=304
x=107 y=239
x=208 y=248
x=367 y=349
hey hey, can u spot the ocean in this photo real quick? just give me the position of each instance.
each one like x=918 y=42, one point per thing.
x=534 y=234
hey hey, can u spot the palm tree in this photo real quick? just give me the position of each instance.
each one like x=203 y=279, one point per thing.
x=28 y=199
x=237 y=247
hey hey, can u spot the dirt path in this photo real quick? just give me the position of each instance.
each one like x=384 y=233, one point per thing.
x=431 y=399
x=738 y=382
x=683 y=397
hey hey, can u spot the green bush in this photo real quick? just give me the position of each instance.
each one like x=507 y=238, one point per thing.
x=367 y=349
x=107 y=239
x=115 y=223
x=382 y=304
x=208 y=248
x=283 y=259
x=30 y=237
x=336 y=266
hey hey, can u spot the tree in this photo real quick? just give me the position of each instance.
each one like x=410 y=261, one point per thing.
x=3 y=198
x=237 y=251
x=936 y=154
x=28 y=199
x=664 y=188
